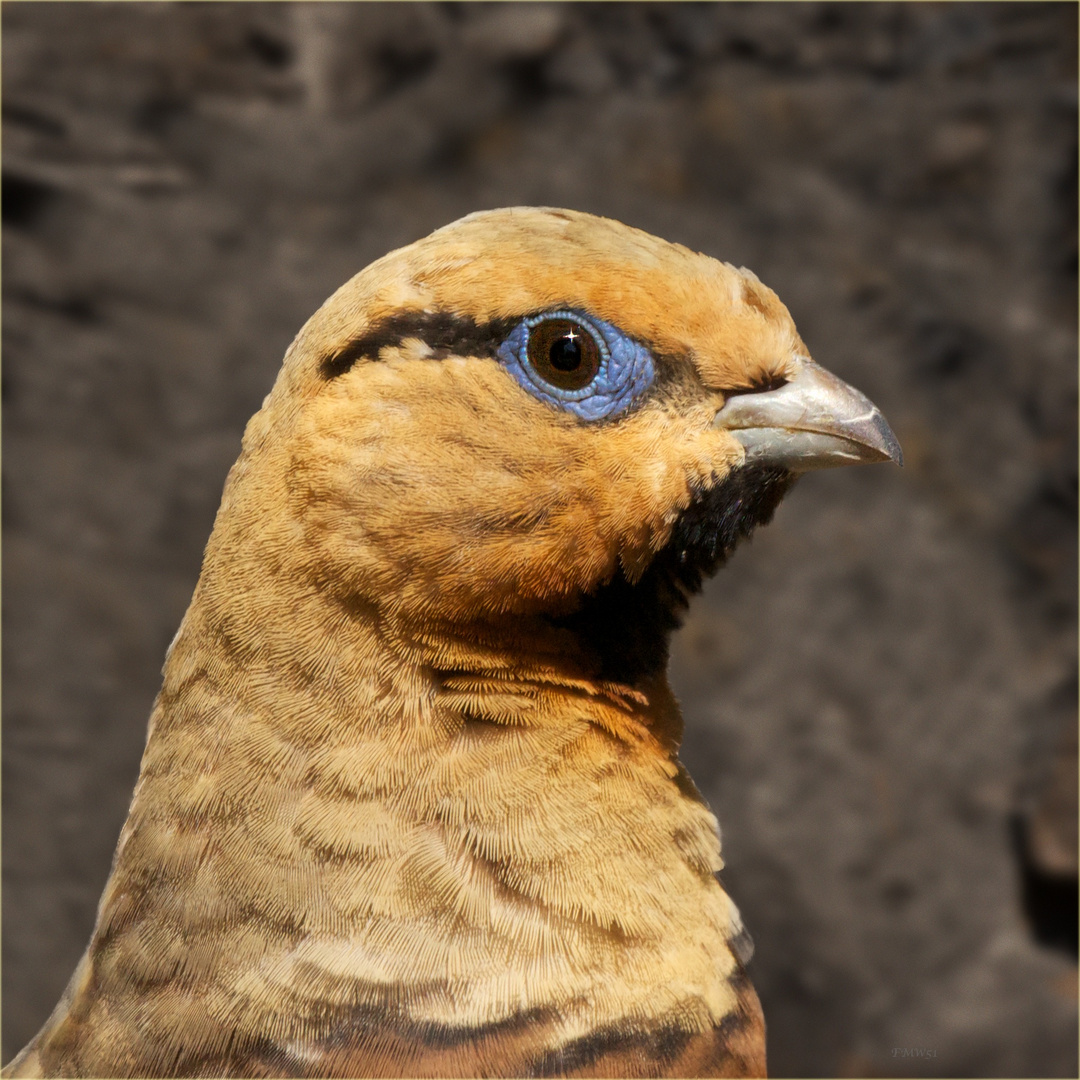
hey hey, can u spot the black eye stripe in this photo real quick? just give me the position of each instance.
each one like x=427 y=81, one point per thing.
x=445 y=334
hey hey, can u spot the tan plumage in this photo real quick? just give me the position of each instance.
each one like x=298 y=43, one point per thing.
x=410 y=803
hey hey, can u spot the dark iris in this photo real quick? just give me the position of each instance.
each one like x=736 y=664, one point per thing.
x=564 y=353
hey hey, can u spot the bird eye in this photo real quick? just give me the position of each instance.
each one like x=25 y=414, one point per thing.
x=564 y=353
x=578 y=363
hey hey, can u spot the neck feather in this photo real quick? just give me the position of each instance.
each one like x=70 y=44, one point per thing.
x=347 y=822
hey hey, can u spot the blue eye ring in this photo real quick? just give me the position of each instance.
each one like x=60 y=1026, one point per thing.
x=621 y=369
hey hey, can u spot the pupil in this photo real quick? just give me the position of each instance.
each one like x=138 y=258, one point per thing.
x=565 y=354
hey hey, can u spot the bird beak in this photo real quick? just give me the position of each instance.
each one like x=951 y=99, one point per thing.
x=813 y=421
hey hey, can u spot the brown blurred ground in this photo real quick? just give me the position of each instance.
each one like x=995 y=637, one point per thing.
x=880 y=691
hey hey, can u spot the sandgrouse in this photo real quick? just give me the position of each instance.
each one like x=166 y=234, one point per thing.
x=410 y=803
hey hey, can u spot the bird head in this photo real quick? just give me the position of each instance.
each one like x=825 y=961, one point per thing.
x=531 y=412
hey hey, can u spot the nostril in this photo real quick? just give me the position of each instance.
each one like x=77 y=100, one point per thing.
x=761 y=385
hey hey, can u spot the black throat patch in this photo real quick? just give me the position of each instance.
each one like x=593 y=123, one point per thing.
x=629 y=625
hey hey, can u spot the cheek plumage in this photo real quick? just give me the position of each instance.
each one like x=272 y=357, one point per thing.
x=512 y=504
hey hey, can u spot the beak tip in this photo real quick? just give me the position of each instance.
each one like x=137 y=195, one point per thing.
x=890 y=445
x=896 y=454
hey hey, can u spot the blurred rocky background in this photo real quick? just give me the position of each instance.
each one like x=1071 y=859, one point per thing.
x=880 y=691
